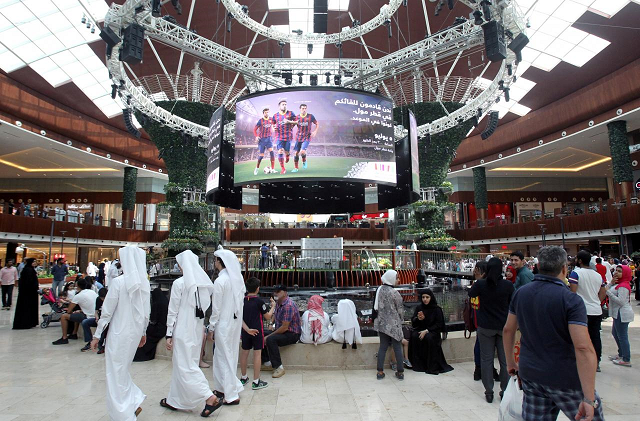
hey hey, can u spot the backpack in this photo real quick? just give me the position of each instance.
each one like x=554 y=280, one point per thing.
x=470 y=315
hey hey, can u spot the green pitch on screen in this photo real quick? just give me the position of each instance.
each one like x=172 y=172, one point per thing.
x=317 y=167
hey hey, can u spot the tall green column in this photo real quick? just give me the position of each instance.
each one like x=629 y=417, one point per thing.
x=621 y=159
x=480 y=192
x=129 y=196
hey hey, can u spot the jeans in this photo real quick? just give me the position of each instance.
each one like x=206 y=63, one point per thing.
x=87 y=324
x=273 y=344
x=385 y=341
x=620 y=333
x=56 y=287
x=593 y=325
x=491 y=340
x=476 y=352
x=7 y=295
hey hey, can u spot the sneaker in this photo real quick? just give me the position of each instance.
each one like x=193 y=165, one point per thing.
x=86 y=348
x=260 y=385
x=255 y=171
x=399 y=375
x=622 y=363
x=244 y=380
x=294 y=170
x=614 y=357
x=379 y=376
x=283 y=171
x=407 y=364
x=393 y=366
x=73 y=336
x=598 y=368
x=266 y=366
x=304 y=165
x=278 y=372
x=60 y=341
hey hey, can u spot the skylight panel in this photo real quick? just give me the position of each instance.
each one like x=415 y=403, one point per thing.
x=57 y=22
x=573 y=35
x=536 y=20
x=540 y=41
x=29 y=52
x=338 y=5
x=44 y=65
x=546 y=6
x=594 y=44
x=570 y=11
x=560 y=48
x=34 y=30
x=4 y=24
x=608 y=8
x=63 y=58
x=82 y=51
x=50 y=45
x=85 y=80
x=95 y=91
x=278 y=4
x=74 y=70
x=66 y=4
x=13 y=38
x=70 y=37
x=519 y=109
x=546 y=62
x=98 y=9
x=108 y=106
x=17 y=13
x=554 y=26
x=41 y=8
x=10 y=62
x=579 y=56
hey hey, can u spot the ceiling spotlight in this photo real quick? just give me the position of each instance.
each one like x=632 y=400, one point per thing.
x=478 y=18
x=245 y=9
x=348 y=73
x=229 y=19
x=387 y=23
x=501 y=85
x=297 y=32
x=84 y=18
x=506 y=94
x=450 y=4
x=88 y=24
x=114 y=91
x=93 y=29
x=310 y=48
x=328 y=75
x=486 y=9
x=288 y=78
x=355 y=23
x=313 y=80
x=337 y=79
x=281 y=44
x=339 y=45
x=300 y=77
x=509 y=69
x=405 y=3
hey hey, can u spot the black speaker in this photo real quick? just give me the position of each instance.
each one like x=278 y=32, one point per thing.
x=109 y=36
x=492 y=125
x=132 y=44
x=518 y=44
x=320 y=11
x=494 y=41
x=128 y=122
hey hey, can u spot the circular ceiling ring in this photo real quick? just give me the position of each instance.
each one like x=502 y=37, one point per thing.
x=386 y=11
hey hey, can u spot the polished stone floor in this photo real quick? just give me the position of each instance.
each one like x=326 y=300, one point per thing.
x=39 y=381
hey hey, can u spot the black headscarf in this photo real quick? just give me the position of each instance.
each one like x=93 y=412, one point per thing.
x=433 y=303
x=28 y=273
x=494 y=271
x=433 y=315
x=159 y=307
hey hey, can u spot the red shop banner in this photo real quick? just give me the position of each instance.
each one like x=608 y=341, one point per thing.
x=379 y=215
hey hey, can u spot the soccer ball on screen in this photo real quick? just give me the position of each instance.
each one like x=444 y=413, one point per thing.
x=269 y=170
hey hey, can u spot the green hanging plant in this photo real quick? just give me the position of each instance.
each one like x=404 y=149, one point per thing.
x=620 y=156
x=480 y=188
x=129 y=188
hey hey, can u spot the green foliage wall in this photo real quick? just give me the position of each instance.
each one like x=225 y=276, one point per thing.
x=620 y=156
x=186 y=165
x=129 y=188
x=480 y=188
x=435 y=154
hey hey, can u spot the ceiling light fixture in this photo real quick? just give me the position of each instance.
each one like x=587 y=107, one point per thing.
x=560 y=169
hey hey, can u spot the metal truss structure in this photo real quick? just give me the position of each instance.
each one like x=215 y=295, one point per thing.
x=365 y=74
x=386 y=12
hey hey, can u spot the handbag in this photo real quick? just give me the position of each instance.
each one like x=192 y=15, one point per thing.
x=199 y=311
x=511 y=404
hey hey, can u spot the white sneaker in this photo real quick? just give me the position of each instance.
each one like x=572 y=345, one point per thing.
x=255 y=171
x=278 y=372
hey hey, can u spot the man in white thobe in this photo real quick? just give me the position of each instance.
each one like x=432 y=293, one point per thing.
x=226 y=323
x=92 y=270
x=113 y=271
x=126 y=310
x=185 y=329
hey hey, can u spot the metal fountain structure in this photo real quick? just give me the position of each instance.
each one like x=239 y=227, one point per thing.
x=260 y=74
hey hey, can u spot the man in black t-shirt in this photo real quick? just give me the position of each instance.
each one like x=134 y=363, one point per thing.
x=253 y=332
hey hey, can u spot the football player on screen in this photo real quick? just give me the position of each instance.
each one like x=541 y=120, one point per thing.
x=262 y=132
x=283 y=122
x=304 y=135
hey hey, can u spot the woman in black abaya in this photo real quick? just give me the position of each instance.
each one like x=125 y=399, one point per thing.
x=425 y=350
x=157 y=326
x=26 y=315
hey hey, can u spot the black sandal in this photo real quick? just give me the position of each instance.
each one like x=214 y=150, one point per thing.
x=210 y=408
x=164 y=404
x=219 y=395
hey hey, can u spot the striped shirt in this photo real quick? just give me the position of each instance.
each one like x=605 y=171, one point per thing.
x=304 y=127
x=263 y=128
x=283 y=131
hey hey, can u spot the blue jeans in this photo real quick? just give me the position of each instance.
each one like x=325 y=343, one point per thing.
x=56 y=287
x=87 y=324
x=620 y=333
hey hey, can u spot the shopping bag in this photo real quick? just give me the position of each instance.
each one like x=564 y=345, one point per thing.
x=511 y=405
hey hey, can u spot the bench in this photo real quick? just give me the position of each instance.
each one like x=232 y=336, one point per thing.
x=331 y=356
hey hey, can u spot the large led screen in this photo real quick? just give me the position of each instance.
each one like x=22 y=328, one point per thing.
x=314 y=134
x=415 y=161
x=213 y=150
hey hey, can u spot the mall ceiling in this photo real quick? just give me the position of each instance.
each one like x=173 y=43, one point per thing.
x=208 y=19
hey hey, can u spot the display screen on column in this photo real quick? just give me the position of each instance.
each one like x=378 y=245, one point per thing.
x=314 y=134
x=213 y=150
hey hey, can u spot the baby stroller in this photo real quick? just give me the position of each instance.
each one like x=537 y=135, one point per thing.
x=56 y=310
